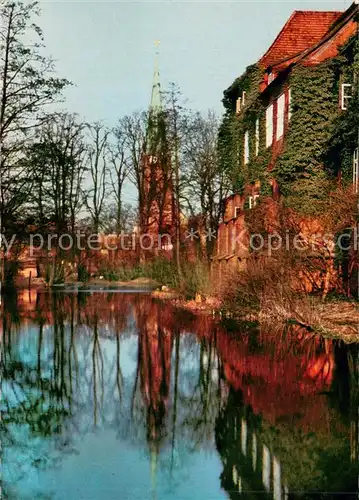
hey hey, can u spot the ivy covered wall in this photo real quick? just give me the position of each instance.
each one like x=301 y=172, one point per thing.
x=318 y=145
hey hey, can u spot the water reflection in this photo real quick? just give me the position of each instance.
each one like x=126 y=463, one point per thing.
x=119 y=396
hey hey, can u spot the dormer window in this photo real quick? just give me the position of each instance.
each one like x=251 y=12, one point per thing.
x=240 y=103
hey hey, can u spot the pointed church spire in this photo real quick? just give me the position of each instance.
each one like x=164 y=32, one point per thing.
x=156 y=103
x=155 y=128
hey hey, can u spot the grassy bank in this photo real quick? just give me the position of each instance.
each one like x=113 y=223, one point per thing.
x=194 y=279
x=265 y=294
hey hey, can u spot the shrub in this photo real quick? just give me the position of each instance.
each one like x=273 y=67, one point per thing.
x=82 y=273
x=163 y=271
x=11 y=269
x=196 y=279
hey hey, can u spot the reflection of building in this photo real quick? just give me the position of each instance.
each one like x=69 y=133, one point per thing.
x=277 y=384
x=286 y=442
x=280 y=460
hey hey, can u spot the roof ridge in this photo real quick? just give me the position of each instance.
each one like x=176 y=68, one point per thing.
x=321 y=11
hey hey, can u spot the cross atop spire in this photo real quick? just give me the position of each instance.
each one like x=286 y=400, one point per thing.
x=156 y=102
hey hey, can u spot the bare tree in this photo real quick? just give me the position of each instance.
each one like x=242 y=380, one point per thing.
x=132 y=128
x=128 y=221
x=27 y=87
x=205 y=185
x=176 y=118
x=97 y=158
x=56 y=166
x=118 y=172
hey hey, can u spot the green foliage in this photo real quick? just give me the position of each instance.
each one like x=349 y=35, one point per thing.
x=197 y=279
x=309 y=193
x=229 y=151
x=55 y=273
x=164 y=272
x=82 y=273
x=109 y=272
x=248 y=82
x=161 y=270
x=344 y=140
x=314 y=110
x=319 y=142
x=233 y=128
x=28 y=87
x=321 y=138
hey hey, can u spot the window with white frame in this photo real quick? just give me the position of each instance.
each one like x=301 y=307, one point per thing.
x=345 y=95
x=252 y=200
x=269 y=126
x=356 y=170
x=246 y=147
x=152 y=159
x=237 y=211
x=244 y=94
x=238 y=105
x=289 y=104
x=280 y=116
x=257 y=136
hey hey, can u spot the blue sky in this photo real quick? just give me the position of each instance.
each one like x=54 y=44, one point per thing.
x=107 y=48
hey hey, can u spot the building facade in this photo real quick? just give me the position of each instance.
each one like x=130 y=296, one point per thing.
x=291 y=124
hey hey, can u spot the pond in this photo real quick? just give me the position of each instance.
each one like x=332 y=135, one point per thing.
x=111 y=395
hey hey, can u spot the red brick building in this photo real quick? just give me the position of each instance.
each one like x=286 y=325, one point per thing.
x=308 y=39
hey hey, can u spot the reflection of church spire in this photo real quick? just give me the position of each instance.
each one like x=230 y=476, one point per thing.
x=154 y=458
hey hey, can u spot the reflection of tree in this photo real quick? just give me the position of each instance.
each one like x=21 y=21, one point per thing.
x=34 y=401
x=64 y=376
x=205 y=398
x=175 y=397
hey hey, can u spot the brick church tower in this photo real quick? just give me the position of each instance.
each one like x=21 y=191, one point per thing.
x=157 y=212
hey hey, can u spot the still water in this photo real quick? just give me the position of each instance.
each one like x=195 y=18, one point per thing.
x=118 y=396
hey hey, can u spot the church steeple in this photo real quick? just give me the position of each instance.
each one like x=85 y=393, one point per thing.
x=157 y=212
x=155 y=137
x=156 y=101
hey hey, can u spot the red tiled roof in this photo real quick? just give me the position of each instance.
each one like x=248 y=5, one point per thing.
x=302 y=30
